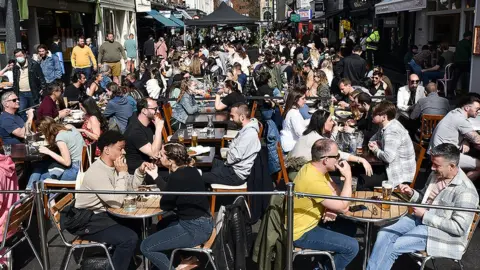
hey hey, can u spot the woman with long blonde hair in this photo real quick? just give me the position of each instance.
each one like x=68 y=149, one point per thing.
x=196 y=67
x=186 y=104
x=65 y=164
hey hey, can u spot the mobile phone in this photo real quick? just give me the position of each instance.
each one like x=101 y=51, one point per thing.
x=357 y=208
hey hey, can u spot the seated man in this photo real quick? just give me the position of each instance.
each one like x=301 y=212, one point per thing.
x=392 y=145
x=118 y=109
x=76 y=89
x=12 y=127
x=143 y=135
x=365 y=124
x=242 y=151
x=431 y=104
x=379 y=87
x=314 y=220
x=109 y=172
x=410 y=94
x=439 y=232
x=457 y=130
x=347 y=90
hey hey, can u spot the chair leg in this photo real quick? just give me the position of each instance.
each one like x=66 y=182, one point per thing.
x=211 y=260
x=332 y=261
x=212 y=204
x=108 y=257
x=460 y=263
x=171 y=259
x=433 y=263
x=33 y=249
x=81 y=256
x=45 y=206
x=70 y=252
x=424 y=262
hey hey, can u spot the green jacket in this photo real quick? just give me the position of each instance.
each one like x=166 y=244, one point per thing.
x=463 y=51
x=271 y=239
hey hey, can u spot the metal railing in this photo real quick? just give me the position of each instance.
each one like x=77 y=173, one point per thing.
x=289 y=194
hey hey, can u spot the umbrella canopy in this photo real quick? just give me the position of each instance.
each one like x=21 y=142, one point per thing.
x=224 y=15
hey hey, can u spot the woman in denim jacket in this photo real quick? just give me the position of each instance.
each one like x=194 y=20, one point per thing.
x=186 y=104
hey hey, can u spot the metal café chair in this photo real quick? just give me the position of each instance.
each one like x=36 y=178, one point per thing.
x=310 y=252
x=447 y=77
x=203 y=248
x=77 y=242
x=18 y=220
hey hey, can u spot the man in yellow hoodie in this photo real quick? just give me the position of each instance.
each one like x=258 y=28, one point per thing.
x=83 y=59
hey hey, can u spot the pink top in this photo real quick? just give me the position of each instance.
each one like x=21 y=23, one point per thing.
x=8 y=181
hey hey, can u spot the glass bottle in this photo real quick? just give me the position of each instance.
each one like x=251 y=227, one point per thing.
x=210 y=127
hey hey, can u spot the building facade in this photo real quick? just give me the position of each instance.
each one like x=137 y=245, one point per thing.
x=203 y=5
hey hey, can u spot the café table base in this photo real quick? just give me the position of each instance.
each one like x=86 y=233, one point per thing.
x=367 y=247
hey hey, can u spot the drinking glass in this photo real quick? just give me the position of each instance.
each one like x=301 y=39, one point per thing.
x=354 y=186
x=387 y=189
x=189 y=129
x=7 y=149
x=181 y=136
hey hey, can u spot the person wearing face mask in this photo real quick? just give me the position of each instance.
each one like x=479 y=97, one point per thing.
x=83 y=59
x=111 y=53
x=49 y=63
x=242 y=151
x=28 y=80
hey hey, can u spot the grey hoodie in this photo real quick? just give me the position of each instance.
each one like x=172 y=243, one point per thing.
x=243 y=149
x=119 y=109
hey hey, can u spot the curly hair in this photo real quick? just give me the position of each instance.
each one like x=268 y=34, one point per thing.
x=177 y=153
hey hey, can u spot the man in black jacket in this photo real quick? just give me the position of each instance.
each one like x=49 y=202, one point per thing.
x=149 y=49
x=28 y=80
x=354 y=66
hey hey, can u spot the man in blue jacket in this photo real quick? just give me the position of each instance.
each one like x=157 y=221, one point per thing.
x=49 y=63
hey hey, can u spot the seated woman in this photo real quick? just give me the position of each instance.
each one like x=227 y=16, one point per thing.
x=185 y=106
x=192 y=224
x=294 y=124
x=232 y=75
x=118 y=109
x=321 y=126
x=95 y=90
x=321 y=82
x=63 y=166
x=94 y=123
x=233 y=96
x=48 y=107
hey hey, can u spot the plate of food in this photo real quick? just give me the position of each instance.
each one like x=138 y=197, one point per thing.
x=343 y=114
x=197 y=150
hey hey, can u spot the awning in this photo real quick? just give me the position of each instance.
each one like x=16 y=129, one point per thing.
x=162 y=19
x=176 y=20
x=388 y=6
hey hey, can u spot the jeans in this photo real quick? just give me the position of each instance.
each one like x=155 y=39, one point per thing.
x=178 y=234
x=87 y=71
x=222 y=174
x=406 y=236
x=41 y=172
x=416 y=68
x=26 y=101
x=334 y=236
x=124 y=245
x=431 y=76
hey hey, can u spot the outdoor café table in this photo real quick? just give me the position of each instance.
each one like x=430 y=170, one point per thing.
x=205 y=160
x=201 y=119
x=19 y=154
x=147 y=209
x=202 y=137
x=370 y=216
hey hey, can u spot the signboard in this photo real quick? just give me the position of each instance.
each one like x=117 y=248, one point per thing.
x=295 y=18
x=390 y=22
x=143 y=5
x=305 y=14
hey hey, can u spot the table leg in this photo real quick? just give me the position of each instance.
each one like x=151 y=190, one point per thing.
x=144 y=236
x=366 y=243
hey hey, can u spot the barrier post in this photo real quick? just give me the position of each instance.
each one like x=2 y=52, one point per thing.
x=289 y=255
x=41 y=224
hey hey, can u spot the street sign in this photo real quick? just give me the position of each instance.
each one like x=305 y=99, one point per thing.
x=295 y=18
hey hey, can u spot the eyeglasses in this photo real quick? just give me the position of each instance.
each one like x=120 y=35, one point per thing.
x=154 y=108
x=376 y=78
x=335 y=157
x=14 y=100
x=414 y=81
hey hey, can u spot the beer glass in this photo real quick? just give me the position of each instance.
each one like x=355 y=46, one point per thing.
x=354 y=186
x=194 y=138
x=181 y=136
x=387 y=189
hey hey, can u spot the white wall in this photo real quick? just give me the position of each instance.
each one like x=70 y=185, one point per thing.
x=421 y=28
x=203 y=5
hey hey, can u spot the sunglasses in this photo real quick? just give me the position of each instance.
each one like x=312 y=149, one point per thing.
x=335 y=157
x=14 y=100
x=414 y=81
x=376 y=78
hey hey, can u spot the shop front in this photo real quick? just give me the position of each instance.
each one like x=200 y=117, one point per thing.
x=119 y=18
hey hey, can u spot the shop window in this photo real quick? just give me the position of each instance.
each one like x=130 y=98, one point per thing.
x=446 y=28
x=108 y=21
x=469 y=3
x=439 y=5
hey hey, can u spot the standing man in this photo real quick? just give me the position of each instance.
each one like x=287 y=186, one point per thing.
x=83 y=59
x=131 y=48
x=49 y=63
x=92 y=47
x=372 y=46
x=354 y=66
x=28 y=80
x=463 y=58
x=56 y=49
x=111 y=53
x=149 y=49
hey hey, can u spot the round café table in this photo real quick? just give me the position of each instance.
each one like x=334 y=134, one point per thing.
x=149 y=208
x=373 y=214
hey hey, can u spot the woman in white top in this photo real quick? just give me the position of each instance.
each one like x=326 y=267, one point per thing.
x=241 y=57
x=294 y=124
x=322 y=126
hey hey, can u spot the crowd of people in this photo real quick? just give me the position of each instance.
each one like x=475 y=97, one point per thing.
x=299 y=83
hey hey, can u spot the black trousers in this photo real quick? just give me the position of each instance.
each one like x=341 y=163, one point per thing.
x=222 y=174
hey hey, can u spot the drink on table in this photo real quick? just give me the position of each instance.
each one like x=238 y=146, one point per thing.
x=194 y=138
x=354 y=186
x=387 y=189
x=359 y=150
x=129 y=203
x=181 y=136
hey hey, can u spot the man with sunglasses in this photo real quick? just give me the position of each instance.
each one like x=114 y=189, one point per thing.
x=143 y=135
x=12 y=126
x=314 y=220
x=410 y=94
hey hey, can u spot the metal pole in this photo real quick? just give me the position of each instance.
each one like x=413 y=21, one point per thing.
x=289 y=254
x=41 y=224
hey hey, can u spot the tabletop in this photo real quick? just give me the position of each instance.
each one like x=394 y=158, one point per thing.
x=396 y=211
x=20 y=153
x=149 y=208
x=371 y=158
x=202 y=119
x=202 y=137
x=205 y=160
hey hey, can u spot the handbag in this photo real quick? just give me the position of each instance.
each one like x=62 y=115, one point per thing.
x=113 y=125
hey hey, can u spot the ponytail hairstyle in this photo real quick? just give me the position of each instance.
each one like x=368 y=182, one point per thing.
x=232 y=85
x=183 y=88
x=50 y=129
x=177 y=153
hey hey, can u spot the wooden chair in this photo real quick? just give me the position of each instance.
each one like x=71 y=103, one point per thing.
x=168 y=112
x=224 y=188
x=428 y=124
x=419 y=155
x=203 y=248
x=18 y=220
x=165 y=136
x=54 y=183
x=76 y=243
x=283 y=170
x=254 y=109
x=424 y=257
